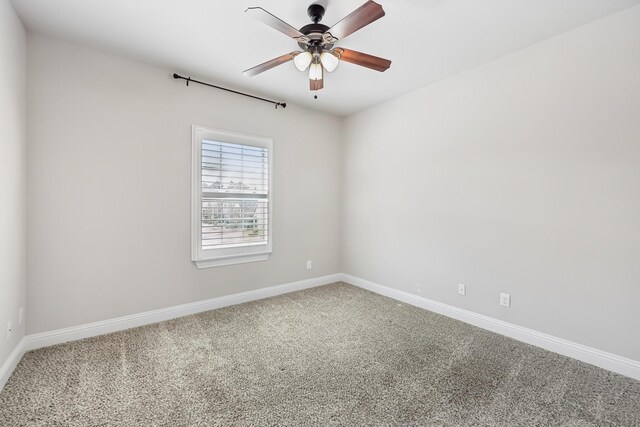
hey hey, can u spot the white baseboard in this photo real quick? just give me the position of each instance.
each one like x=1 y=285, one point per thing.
x=10 y=364
x=46 y=339
x=602 y=359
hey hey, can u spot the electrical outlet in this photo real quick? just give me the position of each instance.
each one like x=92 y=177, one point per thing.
x=505 y=299
x=419 y=288
x=21 y=316
x=462 y=289
x=9 y=329
x=309 y=265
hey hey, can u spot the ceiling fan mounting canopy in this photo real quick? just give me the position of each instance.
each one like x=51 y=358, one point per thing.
x=317 y=40
x=316 y=12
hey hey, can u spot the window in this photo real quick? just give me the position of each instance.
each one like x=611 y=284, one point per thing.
x=231 y=198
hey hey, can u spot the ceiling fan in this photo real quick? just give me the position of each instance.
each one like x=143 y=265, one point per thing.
x=317 y=40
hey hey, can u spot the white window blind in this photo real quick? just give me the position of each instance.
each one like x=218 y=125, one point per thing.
x=235 y=194
x=231 y=197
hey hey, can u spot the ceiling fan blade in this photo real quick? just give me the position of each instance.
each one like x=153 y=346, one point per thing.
x=273 y=21
x=269 y=64
x=361 y=17
x=316 y=84
x=363 y=59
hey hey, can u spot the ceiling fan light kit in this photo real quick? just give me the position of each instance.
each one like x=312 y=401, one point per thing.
x=317 y=42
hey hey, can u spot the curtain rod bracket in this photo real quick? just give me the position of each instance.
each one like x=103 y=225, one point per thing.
x=189 y=79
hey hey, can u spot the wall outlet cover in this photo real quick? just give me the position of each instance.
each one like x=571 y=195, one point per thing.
x=462 y=289
x=21 y=316
x=505 y=299
x=309 y=265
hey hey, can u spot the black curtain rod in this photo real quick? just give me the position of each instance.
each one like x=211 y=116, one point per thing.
x=189 y=79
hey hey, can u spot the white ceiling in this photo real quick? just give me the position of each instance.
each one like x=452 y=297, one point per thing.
x=427 y=40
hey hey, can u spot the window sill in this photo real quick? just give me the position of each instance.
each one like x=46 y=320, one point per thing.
x=231 y=260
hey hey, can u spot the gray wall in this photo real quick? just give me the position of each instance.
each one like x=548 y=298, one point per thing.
x=521 y=176
x=109 y=188
x=13 y=168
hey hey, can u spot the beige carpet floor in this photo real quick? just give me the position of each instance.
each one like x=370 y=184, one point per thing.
x=329 y=356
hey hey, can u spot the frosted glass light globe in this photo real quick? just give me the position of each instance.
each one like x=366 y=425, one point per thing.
x=302 y=60
x=329 y=61
x=315 y=71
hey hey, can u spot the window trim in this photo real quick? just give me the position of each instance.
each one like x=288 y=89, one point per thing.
x=233 y=255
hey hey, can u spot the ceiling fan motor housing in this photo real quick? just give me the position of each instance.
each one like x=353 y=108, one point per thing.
x=314 y=32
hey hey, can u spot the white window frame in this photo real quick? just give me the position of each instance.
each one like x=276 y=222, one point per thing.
x=232 y=255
